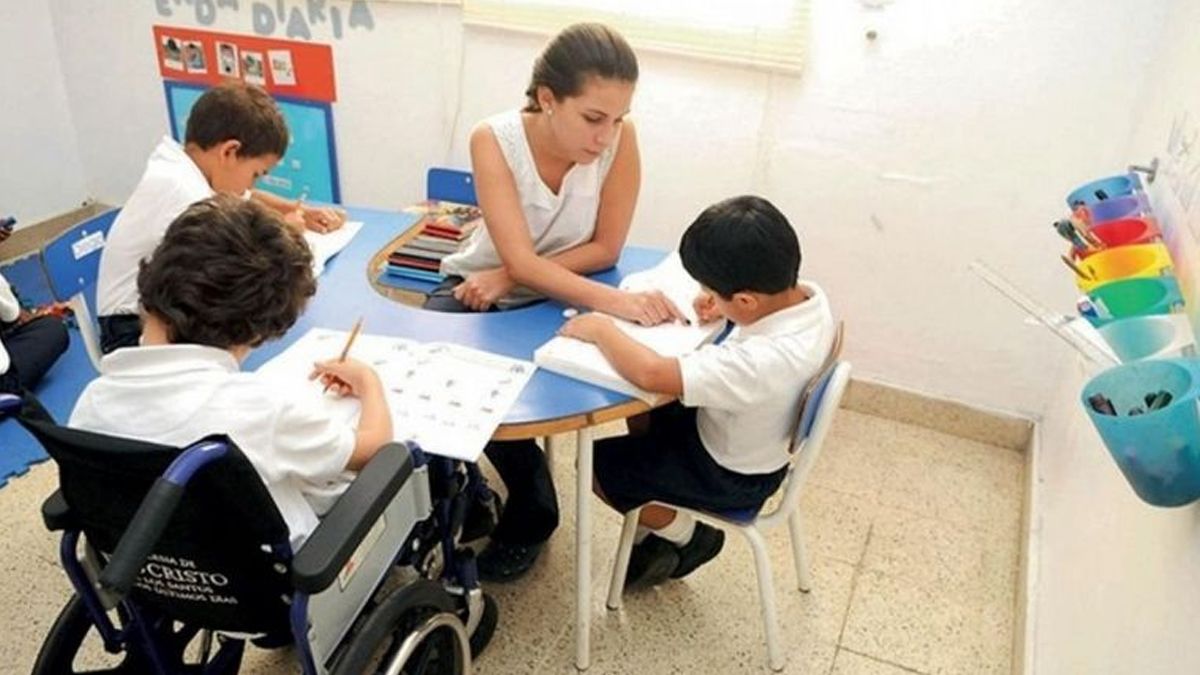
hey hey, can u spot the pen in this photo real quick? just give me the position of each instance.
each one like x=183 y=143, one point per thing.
x=346 y=350
x=1075 y=269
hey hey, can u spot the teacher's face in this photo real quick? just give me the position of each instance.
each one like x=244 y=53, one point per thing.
x=585 y=125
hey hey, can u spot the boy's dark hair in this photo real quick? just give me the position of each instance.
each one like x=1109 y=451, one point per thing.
x=242 y=112
x=227 y=273
x=579 y=51
x=741 y=244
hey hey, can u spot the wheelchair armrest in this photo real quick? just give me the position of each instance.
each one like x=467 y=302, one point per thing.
x=56 y=514
x=322 y=556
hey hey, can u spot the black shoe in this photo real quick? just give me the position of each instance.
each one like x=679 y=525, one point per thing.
x=486 y=627
x=503 y=562
x=651 y=562
x=705 y=544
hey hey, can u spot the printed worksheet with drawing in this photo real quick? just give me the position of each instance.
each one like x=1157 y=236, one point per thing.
x=446 y=398
x=583 y=361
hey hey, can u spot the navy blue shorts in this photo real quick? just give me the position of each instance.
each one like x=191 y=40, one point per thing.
x=668 y=463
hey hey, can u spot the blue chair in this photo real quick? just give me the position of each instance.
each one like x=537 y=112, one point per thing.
x=451 y=185
x=72 y=262
x=819 y=403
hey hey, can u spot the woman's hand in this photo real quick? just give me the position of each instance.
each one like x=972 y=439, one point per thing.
x=648 y=308
x=482 y=289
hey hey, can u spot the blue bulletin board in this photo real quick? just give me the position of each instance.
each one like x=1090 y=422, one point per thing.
x=308 y=168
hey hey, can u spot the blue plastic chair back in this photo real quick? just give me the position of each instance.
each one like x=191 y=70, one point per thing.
x=451 y=185
x=72 y=260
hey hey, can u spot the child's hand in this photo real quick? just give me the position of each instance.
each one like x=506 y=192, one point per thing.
x=323 y=219
x=706 y=308
x=346 y=378
x=586 y=327
x=481 y=290
x=648 y=308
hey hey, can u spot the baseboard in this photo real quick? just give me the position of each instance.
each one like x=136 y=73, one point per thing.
x=951 y=417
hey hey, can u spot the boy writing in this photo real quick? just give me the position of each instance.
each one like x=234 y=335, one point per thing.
x=235 y=134
x=228 y=276
x=728 y=448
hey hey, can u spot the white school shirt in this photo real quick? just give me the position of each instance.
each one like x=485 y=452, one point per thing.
x=748 y=387
x=177 y=394
x=171 y=183
x=10 y=310
x=557 y=222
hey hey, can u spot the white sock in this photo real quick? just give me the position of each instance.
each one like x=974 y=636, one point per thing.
x=679 y=531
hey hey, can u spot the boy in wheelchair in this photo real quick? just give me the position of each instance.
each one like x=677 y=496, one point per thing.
x=277 y=540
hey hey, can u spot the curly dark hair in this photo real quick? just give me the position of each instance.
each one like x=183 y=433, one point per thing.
x=228 y=273
x=242 y=112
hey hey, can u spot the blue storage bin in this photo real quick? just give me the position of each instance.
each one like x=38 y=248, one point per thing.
x=1104 y=189
x=1127 y=206
x=1159 y=451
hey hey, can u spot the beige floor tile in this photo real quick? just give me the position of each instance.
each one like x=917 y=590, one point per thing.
x=918 y=510
x=850 y=663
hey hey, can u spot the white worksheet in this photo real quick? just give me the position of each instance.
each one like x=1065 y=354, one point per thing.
x=446 y=398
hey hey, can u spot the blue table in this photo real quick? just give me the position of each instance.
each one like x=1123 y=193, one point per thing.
x=550 y=404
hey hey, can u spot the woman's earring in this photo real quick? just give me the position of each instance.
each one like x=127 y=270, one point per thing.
x=550 y=111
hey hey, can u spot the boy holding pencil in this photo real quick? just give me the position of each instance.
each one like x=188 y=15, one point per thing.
x=228 y=276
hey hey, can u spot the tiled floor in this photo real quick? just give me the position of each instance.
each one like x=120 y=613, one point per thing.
x=914 y=536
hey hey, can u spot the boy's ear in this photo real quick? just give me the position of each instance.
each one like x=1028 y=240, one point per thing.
x=229 y=149
x=745 y=301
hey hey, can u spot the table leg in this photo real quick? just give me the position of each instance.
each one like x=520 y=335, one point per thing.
x=583 y=548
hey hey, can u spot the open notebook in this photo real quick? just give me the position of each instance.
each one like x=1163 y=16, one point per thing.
x=582 y=361
x=325 y=246
x=447 y=398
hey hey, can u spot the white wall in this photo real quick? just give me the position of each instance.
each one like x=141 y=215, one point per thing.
x=1118 y=581
x=42 y=175
x=953 y=136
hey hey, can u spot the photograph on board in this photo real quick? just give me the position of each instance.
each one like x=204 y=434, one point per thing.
x=253 y=68
x=227 y=59
x=193 y=57
x=172 y=55
x=282 y=72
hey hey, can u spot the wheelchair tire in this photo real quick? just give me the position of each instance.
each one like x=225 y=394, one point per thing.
x=396 y=616
x=73 y=627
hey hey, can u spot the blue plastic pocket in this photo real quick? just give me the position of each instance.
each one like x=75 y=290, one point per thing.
x=1157 y=451
x=1103 y=189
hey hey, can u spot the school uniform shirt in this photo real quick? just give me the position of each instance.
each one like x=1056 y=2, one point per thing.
x=557 y=222
x=10 y=310
x=171 y=183
x=748 y=388
x=177 y=394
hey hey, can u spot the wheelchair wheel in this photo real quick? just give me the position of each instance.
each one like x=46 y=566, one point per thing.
x=74 y=638
x=419 y=619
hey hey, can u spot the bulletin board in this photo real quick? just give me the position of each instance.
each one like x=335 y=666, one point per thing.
x=298 y=75
x=308 y=168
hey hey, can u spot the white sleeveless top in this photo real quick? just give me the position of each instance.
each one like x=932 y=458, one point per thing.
x=557 y=222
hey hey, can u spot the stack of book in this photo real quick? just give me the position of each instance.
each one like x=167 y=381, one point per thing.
x=442 y=229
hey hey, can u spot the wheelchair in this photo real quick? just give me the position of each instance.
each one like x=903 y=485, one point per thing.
x=184 y=558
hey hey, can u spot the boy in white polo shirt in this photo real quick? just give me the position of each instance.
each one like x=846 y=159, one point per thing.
x=235 y=134
x=726 y=446
x=228 y=276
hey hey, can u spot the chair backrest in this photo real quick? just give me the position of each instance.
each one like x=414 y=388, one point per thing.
x=819 y=403
x=72 y=259
x=451 y=185
x=223 y=561
x=72 y=262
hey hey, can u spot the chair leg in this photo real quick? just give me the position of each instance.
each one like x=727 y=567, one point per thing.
x=621 y=565
x=799 y=553
x=548 y=448
x=766 y=593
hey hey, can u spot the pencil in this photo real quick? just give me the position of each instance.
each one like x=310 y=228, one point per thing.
x=346 y=350
x=1075 y=269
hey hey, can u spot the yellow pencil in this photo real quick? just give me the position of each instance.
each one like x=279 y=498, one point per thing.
x=346 y=350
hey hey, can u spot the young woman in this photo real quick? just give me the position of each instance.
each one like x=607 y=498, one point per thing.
x=557 y=182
